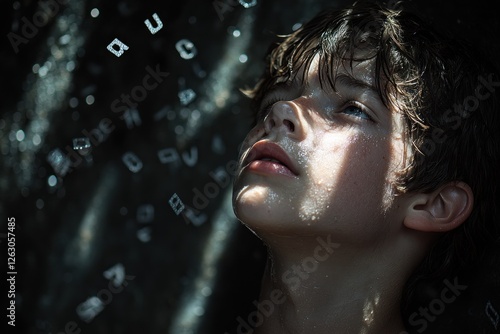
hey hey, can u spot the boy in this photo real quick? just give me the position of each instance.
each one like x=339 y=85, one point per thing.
x=371 y=166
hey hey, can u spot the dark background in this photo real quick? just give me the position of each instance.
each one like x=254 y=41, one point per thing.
x=195 y=272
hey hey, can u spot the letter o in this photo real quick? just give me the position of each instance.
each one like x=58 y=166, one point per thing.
x=114 y=289
x=135 y=93
x=433 y=309
x=309 y=264
x=475 y=103
x=208 y=192
x=107 y=293
x=255 y=322
x=40 y=18
x=428 y=146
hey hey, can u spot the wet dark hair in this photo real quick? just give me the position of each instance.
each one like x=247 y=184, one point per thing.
x=440 y=85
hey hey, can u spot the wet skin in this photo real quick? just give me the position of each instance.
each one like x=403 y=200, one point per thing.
x=345 y=146
x=321 y=163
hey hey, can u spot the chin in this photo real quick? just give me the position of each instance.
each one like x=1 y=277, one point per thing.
x=256 y=214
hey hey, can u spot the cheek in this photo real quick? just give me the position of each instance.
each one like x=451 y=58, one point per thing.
x=365 y=173
x=347 y=179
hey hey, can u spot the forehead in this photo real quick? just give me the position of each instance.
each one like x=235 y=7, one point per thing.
x=356 y=74
x=360 y=79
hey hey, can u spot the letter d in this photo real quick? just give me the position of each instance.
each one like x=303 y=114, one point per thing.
x=243 y=325
x=28 y=30
x=221 y=177
x=265 y=307
x=196 y=200
x=77 y=159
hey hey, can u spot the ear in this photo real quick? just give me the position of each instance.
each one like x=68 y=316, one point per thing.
x=442 y=210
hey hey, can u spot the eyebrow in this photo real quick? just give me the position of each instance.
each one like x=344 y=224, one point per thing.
x=351 y=82
x=283 y=86
x=289 y=84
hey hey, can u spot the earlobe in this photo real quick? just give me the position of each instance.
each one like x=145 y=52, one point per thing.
x=442 y=210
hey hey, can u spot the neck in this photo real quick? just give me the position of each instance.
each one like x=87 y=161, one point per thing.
x=316 y=285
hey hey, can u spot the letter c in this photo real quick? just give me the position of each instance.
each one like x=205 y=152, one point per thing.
x=319 y=257
x=147 y=85
x=445 y=299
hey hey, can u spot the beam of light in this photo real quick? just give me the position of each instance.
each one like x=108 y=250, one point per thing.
x=219 y=87
x=187 y=319
x=79 y=251
x=47 y=87
x=84 y=241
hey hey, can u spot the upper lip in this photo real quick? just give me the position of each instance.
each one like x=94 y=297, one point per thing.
x=270 y=150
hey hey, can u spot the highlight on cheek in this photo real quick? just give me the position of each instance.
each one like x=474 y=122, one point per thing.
x=320 y=191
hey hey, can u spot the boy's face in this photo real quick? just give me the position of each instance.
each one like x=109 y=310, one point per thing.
x=343 y=149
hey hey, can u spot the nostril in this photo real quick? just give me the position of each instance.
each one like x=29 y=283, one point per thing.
x=289 y=125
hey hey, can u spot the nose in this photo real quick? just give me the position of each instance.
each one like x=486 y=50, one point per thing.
x=287 y=118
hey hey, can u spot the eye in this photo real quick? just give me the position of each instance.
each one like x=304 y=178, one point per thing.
x=266 y=106
x=355 y=109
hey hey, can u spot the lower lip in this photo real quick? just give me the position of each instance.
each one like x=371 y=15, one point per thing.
x=269 y=167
